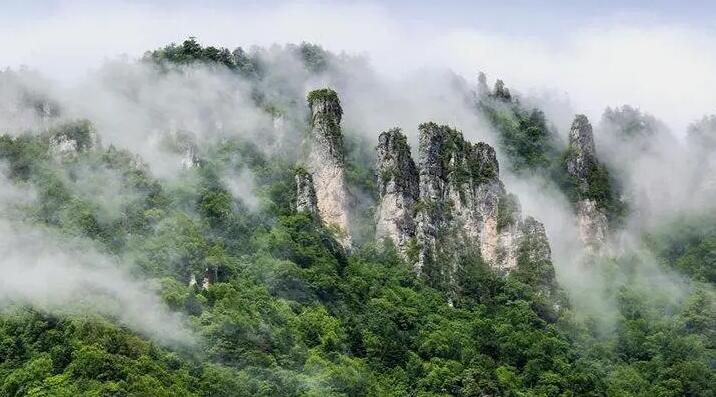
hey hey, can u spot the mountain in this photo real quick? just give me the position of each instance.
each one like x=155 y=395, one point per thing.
x=283 y=222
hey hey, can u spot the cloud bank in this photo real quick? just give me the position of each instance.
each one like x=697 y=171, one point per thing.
x=664 y=68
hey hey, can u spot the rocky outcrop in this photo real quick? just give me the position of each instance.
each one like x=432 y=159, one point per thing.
x=399 y=190
x=326 y=162
x=463 y=204
x=581 y=163
x=183 y=143
x=306 y=200
x=209 y=277
x=592 y=224
x=582 y=154
x=70 y=139
x=454 y=206
x=189 y=156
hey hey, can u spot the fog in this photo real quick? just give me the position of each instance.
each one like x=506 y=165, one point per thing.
x=68 y=276
x=139 y=107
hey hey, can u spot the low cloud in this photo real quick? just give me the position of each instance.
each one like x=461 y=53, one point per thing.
x=62 y=275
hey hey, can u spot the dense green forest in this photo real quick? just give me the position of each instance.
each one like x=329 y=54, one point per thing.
x=289 y=312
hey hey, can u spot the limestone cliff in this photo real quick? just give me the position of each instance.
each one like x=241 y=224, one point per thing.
x=581 y=163
x=398 y=187
x=306 y=200
x=326 y=162
x=462 y=203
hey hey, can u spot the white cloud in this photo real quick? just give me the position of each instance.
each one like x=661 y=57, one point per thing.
x=666 y=70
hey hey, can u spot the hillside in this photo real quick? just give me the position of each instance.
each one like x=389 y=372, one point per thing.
x=281 y=222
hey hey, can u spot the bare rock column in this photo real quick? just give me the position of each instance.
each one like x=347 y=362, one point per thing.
x=399 y=189
x=326 y=162
x=581 y=163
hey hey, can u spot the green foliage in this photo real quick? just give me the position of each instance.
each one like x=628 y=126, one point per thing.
x=507 y=209
x=531 y=146
x=529 y=143
x=290 y=313
x=313 y=56
x=324 y=95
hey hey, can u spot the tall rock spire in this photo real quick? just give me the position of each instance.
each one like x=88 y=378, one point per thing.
x=581 y=164
x=326 y=162
x=398 y=187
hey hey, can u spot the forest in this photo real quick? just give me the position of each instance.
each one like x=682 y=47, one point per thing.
x=172 y=260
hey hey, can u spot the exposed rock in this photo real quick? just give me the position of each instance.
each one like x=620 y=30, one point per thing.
x=504 y=250
x=183 y=143
x=399 y=189
x=70 y=139
x=460 y=192
x=306 y=200
x=461 y=207
x=208 y=278
x=189 y=157
x=582 y=156
x=592 y=224
x=326 y=162
x=581 y=162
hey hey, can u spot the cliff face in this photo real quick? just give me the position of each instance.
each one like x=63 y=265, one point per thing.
x=581 y=163
x=306 y=200
x=326 y=162
x=399 y=190
x=460 y=191
x=462 y=207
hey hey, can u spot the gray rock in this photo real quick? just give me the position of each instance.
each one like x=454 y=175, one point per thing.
x=581 y=162
x=399 y=190
x=326 y=162
x=306 y=200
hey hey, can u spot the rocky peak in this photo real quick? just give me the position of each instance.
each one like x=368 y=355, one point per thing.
x=454 y=204
x=326 y=114
x=398 y=183
x=306 y=200
x=582 y=156
x=581 y=163
x=326 y=162
x=459 y=190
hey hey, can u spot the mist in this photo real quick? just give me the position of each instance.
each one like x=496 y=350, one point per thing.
x=141 y=107
x=69 y=276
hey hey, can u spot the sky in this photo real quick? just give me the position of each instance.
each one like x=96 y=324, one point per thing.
x=657 y=55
